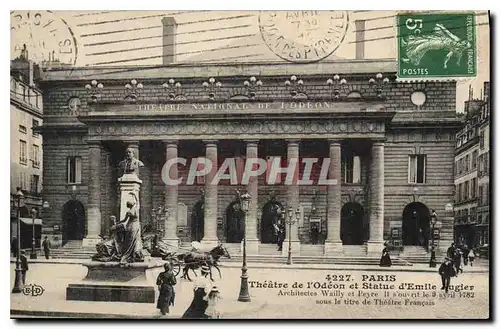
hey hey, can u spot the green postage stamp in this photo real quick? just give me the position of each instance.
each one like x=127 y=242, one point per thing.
x=436 y=45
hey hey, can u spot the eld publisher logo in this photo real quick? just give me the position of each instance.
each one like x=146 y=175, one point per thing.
x=33 y=290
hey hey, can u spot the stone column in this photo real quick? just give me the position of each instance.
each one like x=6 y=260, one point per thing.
x=333 y=244
x=292 y=200
x=146 y=187
x=94 y=195
x=210 y=229
x=376 y=183
x=251 y=217
x=171 y=194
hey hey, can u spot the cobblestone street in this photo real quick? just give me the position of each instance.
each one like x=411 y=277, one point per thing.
x=280 y=301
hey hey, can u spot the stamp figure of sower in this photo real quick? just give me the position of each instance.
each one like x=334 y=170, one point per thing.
x=130 y=165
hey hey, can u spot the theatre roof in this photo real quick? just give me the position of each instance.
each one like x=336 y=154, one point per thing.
x=214 y=70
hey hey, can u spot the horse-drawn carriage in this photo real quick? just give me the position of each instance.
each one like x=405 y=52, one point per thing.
x=188 y=259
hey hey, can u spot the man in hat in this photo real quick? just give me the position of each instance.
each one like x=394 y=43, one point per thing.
x=46 y=247
x=446 y=270
x=451 y=250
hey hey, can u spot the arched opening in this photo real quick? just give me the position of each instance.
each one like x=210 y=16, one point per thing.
x=270 y=215
x=198 y=221
x=235 y=224
x=73 y=219
x=351 y=224
x=416 y=224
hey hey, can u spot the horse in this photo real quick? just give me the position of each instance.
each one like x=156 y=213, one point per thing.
x=194 y=260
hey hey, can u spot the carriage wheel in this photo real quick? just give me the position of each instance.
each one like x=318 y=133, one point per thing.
x=176 y=266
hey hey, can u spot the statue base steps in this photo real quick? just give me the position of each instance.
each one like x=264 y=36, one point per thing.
x=112 y=282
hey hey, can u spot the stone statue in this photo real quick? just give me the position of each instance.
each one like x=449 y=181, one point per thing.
x=130 y=165
x=125 y=243
x=109 y=249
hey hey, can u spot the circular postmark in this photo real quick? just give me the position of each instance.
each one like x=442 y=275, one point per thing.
x=303 y=36
x=42 y=36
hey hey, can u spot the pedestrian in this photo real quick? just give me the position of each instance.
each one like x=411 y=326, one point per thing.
x=314 y=233
x=281 y=235
x=385 y=260
x=457 y=260
x=46 y=247
x=13 y=246
x=212 y=298
x=451 y=251
x=471 y=255
x=198 y=306
x=465 y=254
x=446 y=271
x=24 y=266
x=166 y=282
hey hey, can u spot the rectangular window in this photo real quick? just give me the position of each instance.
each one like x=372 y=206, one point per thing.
x=36 y=156
x=23 y=155
x=22 y=180
x=466 y=190
x=74 y=170
x=486 y=163
x=481 y=139
x=467 y=163
x=473 y=188
x=486 y=194
x=474 y=160
x=352 y=170
x=459 y=192
x=34 y=125
x=22 y=129
x=35 y=180
x=416 y=169
x=481 y=195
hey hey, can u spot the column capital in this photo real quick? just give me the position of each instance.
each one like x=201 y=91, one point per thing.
x=334 y=141
x=292 y=142
x=94 y=144
x=171 y=142
x=378 y=143
x=252 y=141
x=210 y=141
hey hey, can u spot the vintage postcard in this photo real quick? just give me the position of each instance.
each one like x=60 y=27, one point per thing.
x=250 y=164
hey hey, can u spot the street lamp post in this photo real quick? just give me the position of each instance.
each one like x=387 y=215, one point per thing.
x=17 y=281
x=244 y=294
x=33 y=241
x=432 y=262
x=290 y=221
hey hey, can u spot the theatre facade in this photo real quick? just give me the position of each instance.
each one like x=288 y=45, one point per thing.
x=389 y=145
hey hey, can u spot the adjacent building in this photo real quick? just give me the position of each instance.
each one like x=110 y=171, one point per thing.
x=26 y=156
x=471 y=206
x=484 y=159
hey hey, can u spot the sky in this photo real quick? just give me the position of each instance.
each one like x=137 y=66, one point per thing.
x=117 y=38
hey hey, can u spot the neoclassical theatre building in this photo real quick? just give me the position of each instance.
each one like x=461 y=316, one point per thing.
x=390 y=146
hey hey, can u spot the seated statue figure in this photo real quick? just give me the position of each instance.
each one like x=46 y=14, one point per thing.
x=109 y=249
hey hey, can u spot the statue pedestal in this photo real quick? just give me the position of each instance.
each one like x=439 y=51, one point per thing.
x=128 y=183
x=112 y=282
